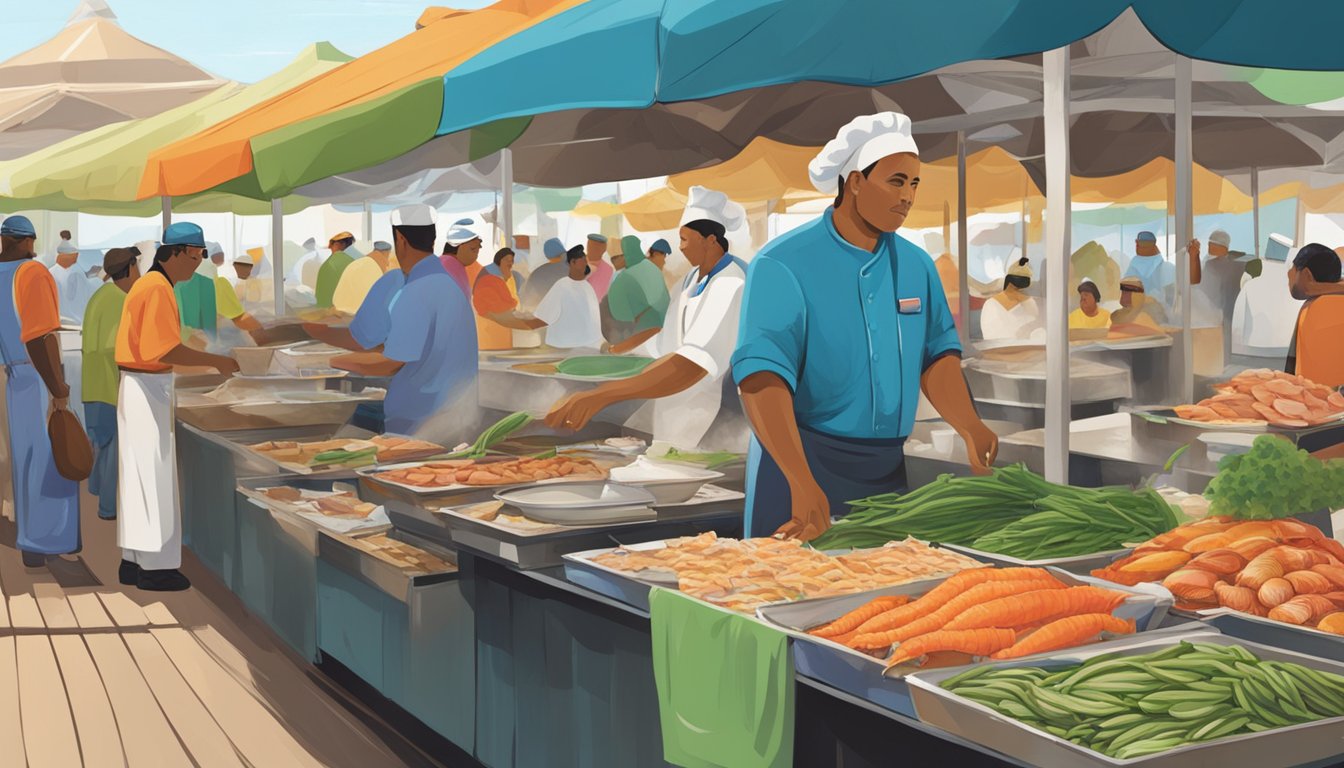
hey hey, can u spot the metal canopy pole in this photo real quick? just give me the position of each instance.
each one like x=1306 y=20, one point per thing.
x=368 y=222
x=277 y=255
x=1255 y=208
x=1185 y=221
x=506 y=181
x=1058 y=412
x=963 y=260
x=166 y=206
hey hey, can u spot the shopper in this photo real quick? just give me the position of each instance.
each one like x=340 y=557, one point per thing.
x=100 y=376
x=1315 y=350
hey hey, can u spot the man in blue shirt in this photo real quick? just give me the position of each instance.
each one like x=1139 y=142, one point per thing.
x=430 y=348
x=842 y=323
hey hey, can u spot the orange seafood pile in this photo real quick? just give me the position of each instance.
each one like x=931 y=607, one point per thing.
x=742 y=575
x=1281 y=399
x=1002 y=613
x=441 y=474
x=1283 y=569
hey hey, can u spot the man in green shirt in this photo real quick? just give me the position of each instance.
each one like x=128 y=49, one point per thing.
x=100 y=379
x=329 y=276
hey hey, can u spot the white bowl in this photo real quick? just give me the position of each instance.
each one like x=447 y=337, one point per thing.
x=254 y=361
x=667 y=491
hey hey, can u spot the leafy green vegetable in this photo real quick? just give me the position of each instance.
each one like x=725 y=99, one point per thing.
x=494 y=434
x=709 y=460
x=1275 y=479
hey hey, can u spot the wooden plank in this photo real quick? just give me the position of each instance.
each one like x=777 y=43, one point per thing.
x=4 y=610
x=124 y=611
x=55 y=610
x=252 y=728
x=48 y=731
x=89 y=611
x=206 y=743
x=23 y=612
x=159 y=615
x=145 y=733
x=97 y=726
x=229 y=657
x=11 y=726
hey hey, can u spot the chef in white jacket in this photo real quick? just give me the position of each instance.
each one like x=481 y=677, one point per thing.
x=694 y=347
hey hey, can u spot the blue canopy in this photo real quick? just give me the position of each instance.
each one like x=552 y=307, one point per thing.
x=634 y=53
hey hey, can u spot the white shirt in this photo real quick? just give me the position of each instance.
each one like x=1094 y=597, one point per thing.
x=74 y=288
x=701 y=326
x=1265 y=314
x=570 y=312
x=1021 y=322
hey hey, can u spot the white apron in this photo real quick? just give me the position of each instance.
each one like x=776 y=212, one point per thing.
x=149 y=521
x=701 y=324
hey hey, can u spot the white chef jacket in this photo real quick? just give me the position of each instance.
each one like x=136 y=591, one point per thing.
x=572 y=315
x=701 y=326
x=1265 y=314
x=1021 y=322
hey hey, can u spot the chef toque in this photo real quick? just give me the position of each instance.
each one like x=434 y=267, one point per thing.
x=414 y=216
x=705 y=203
x=862 y=142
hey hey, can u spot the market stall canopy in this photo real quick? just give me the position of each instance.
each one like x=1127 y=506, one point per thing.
x=373 y=109
x=90 y=74
x=105 y=165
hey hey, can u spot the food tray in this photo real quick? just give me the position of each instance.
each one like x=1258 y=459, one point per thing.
x=1167 y=416
x=1078 y=564
x=1309 y=743
x=862 y=675
x=376 y=520
x=370 y=473
x=345 y=552
x=304 y=469
x=1267 y=631
x=619 y=585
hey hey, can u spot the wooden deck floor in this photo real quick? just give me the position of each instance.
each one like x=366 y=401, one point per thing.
x=96 y=674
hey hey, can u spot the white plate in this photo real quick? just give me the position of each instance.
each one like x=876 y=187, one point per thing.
x=305 y=375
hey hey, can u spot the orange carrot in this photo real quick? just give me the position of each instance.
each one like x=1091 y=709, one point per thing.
x=1067 y=633
x=1020 y=610
x=935 y=598
x=977 y=642
x=953 y=608
x=854 y=618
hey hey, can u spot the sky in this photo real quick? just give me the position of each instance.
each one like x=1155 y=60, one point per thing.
x=243 y=40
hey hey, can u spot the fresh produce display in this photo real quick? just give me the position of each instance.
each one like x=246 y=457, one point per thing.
x=1130 y=706
x=1260 y=396
x=404 y=556
x=494 y=434
x=445 y=474
x=743 y=574
x=1275 y=479
x=998 y=613
x=343 y=505
x=1013 y=512
x=344 y=452
x=1284 y=570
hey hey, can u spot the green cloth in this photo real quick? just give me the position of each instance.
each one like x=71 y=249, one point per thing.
x=329 y=276
x=196 y=303
x=638 y=294
x=98 y=371
x=725 y=685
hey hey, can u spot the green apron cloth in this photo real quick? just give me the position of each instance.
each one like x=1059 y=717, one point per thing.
x=725 y=686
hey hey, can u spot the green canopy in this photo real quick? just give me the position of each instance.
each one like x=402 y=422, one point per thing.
x=99 y=172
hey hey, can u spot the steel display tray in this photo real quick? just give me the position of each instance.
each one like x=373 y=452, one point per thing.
x=1083 y=564
x=1295 y=745
x=865 y=676
x=344 y=552
x=1266 y=631
x=1189 y=429
x=371 y=473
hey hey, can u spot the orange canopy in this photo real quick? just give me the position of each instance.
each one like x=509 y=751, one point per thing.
x=447 y=38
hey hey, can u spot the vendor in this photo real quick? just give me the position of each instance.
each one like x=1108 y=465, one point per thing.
x=461 y=249
x=601 y=272
x=359 y=277
x=1158 y=276
x=1011 y=313
x=208 y=296
x=74 y=286
x=695 y=345
x=1315 y=351
x=1138 y=313
x=496 y=293
x=842 y=322
x=149 y=520
x=430 y=350
x=251 y=288
x=329 y=274
x=569 y=312
x=1089 y=315
x=658 y=253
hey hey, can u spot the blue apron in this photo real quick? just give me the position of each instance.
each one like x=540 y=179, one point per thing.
x=46 y=504
x=847 y=469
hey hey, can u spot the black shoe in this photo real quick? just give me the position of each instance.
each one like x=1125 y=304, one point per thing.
x=168 y=580
x=34 y=560
x=128 y=573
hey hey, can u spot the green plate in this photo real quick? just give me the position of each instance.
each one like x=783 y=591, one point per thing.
x=603 y=366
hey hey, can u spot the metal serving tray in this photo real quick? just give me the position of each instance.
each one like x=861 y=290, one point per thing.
x=1163 y=423
x=1083 y=564
x=864 y=676
x=1266 y=631
x=341 y=551
x=1294 y=745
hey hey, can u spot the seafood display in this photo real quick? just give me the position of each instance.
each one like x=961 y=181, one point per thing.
x=445 y=474
x=743 y=574
x=1265 y=396
x=406 y=557
x=1001 y=613
x=341 y=505
x=1131 y=706
x=345 y=452
x=1283 y=570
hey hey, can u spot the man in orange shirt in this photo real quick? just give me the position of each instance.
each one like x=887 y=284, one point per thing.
x=149 y=344
x=1315 y=352
x=46 y=504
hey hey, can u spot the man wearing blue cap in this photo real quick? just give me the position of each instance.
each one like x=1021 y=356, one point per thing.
x=1157 y=274
x=46 y=504
x=658 y=253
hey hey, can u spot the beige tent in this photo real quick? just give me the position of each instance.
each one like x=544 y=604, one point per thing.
x=90 y=74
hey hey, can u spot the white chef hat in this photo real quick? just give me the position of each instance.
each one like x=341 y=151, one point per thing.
x=212 y=248
x=415 y=216
x=703 y=203
x=862 y=142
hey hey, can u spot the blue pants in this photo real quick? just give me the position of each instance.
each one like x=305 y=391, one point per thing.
x=847 y=470
x=46 y=504
x=101 y=421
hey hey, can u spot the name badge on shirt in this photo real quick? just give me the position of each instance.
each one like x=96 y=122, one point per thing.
x=910 y=306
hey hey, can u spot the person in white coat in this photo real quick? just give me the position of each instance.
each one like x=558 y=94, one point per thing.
x=695 y=345
x=75 y=286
